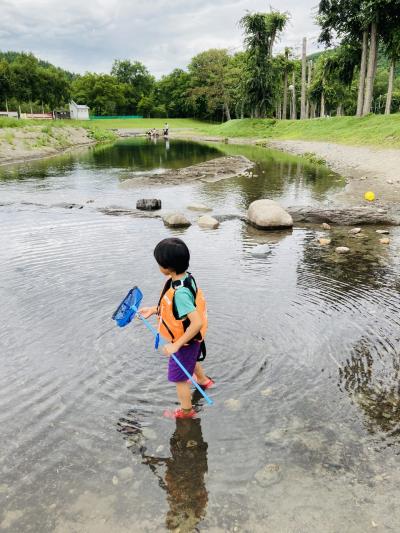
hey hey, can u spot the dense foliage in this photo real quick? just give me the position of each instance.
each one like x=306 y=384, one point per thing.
x=358 y=73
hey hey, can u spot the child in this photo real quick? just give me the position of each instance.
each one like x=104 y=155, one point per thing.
x=182 y=320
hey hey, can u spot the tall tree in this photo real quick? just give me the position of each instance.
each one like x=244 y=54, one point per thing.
x=261 y=31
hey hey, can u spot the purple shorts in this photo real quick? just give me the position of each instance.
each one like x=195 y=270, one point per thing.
x=187 y=355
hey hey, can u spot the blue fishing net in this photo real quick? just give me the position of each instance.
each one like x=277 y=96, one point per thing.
x=128 y=308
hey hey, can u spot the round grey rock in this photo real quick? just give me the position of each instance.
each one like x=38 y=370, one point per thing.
x=267 y=214
x=176 y=220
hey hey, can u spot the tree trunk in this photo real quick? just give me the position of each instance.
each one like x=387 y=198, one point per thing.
x=312 y=110
x=285 y=89
x=390 y=88
x=322 y=111
x=303 y=79
x=227 y=111
x=361 y=83
x=310 y=66
x=369 y=82
x=339 y=110
x=242 y=111
x=294 y=110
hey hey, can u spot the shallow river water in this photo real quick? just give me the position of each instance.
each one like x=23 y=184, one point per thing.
x=303 y=344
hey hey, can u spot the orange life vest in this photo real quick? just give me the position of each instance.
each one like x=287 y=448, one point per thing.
x=170 y=326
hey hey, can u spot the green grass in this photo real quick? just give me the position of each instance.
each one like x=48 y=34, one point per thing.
x=147 y=123
x=374 y=130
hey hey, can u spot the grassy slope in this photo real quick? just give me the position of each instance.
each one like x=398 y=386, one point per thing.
x=374 y=130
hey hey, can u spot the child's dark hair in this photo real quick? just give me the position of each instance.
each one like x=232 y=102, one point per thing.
x=173 y=254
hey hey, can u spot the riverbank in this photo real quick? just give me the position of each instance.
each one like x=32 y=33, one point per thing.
x=28 y=140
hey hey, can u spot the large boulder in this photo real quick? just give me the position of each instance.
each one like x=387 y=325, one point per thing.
x=176 y=220
x=148 y=204
x=267 y=214
x=206 y=221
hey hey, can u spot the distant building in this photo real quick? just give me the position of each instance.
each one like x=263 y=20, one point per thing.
x=78 y=112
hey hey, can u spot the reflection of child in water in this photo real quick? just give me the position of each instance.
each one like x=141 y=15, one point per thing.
x=184 y=476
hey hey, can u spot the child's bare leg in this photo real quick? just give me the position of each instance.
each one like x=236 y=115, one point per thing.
x=184 y=395
x=200 y=375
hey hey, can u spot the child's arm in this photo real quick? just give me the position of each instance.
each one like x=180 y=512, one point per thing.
x=147 y=312
x=196 y=323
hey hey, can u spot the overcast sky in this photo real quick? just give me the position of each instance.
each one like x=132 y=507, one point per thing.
x=87 y=35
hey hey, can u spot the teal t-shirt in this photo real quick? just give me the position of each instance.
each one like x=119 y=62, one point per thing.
x=184 y=300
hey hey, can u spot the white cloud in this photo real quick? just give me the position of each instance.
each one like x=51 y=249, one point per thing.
x=88 y=35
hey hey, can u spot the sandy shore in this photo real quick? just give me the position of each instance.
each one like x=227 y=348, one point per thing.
x=366 y=168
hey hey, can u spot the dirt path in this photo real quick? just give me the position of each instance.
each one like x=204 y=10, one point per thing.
x=366 y=168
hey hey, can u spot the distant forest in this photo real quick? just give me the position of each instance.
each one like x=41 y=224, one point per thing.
x=358 y=73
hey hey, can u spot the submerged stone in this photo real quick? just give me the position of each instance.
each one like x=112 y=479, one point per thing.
x=385 y=240
x=325 y=225
x=342 y=250
x=199 y=207
x=354 y=231
x=324 y=242
x=268 y=475
x=260 y=250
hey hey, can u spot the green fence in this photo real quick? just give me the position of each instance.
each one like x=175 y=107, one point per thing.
x=112 y=117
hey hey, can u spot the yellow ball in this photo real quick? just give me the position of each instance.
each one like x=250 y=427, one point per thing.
x=370 y=196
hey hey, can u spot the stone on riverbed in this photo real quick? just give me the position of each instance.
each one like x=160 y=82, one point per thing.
x=268 y=475
x=260 y=250
x=267 y=214
x=176 y=220
x=382 y=231
x=324 y=242
x=354 y=231
x=385 y=240
x=342 y=250
x=199 y=207
x=326 y=226
x=148 y=204
x=206 y=221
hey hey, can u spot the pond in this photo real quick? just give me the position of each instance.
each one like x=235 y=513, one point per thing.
x=303 y=345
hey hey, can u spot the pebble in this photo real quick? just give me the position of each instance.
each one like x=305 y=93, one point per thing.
x=268 y=475
x=115 y=480
x=266 y=392
x=385 y=240
x=382 y=231
x=342 y=250
x=323 y=242
x=325 y=225
x=354 y=231
x=125 y=473
x=390 y=182
x=232 y=404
